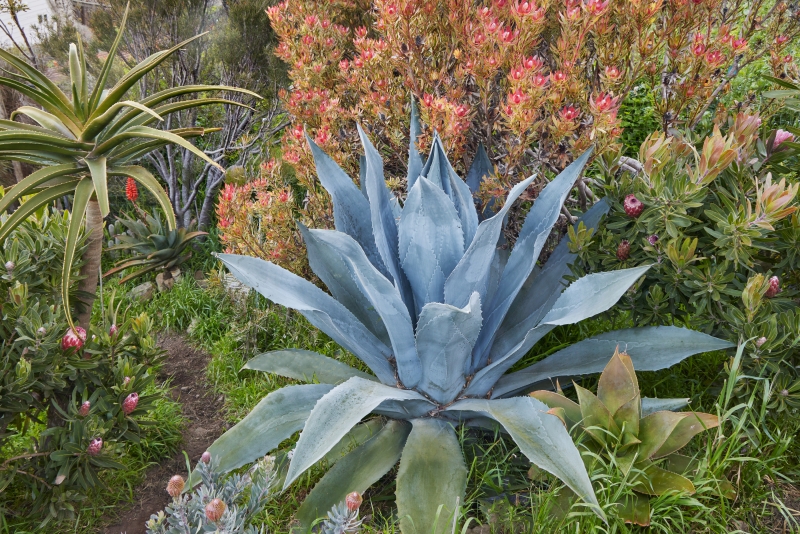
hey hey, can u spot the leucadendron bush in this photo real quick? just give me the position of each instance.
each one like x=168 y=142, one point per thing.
x=438 y=313
x=719 y=228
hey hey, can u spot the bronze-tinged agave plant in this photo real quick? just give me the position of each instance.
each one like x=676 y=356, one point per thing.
x=619 y=425
x=81 y=140
x=439 y=313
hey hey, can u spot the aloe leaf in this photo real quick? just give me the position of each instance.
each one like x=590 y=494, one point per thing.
x=650 y=405
x=657 y=481
x=541 y=290
x=304 y=365
x=44 y=86
x=357 y=471
x=324 y=312
x=474 y=268
x=432 y=474
x=146 y=132
x=105 y=71
x=535 y=231
x=335 y=414
x=618 y=384
x=351 y=210
x=384 y=225
x=149 y=182
x=46 y=120
x=655 y=429
x=596 y=418
x=279 y=415
x=34 y=181
x=592 y=294
x=414 y=157
x=635 y=509
x=572 y=410
x=651 y=348
x=97 y=125
x=358 y=285
x=80 y=201
x=687 y=428
x=431 y=241
x=97 y=168
x=541 y=437
x=445 y=337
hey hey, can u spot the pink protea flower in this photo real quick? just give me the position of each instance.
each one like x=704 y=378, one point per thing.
x=73 y=339
x=94 y=447
x=633 y=206
x=214 y=510
x=353 y=501
x=653 y=239
x=569 y=113
x=613 y=72
x=130 y=403
x=558 y=76
x=84 y=409
x=623 y=250
x=532 y=63
x=113 y=330
x=781 y=39
x=774 y=287
x=206 y=457
x=175 y=486
x=780 y=137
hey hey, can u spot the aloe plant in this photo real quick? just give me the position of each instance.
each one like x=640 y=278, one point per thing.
x=81 y=140
x=438 y=313
x=153 y=246
x=636 y=435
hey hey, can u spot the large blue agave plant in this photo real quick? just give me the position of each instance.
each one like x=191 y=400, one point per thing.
x=424 y=296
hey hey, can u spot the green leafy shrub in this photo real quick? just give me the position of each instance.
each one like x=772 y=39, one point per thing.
x=432 y=304
x=720 y=233
x=637 y=432
x=68 y=405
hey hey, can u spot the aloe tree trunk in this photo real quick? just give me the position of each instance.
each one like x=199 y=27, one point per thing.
x=90 y=271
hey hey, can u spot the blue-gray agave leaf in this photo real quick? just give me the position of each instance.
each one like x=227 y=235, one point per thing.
x=535 y=230
x=414 y=158
x=321 y=310
x=384 y=225
x=350 y=207
x=445 y=337
x=348 y=272
x=431 y=241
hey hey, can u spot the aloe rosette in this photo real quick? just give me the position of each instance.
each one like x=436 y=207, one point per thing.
x=81 y=140
x=438 y=313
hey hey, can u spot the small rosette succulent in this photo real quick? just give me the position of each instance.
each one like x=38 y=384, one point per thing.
x=642 y=440
x=439 y=312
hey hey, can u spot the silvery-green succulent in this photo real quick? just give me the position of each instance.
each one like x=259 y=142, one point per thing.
x=439 y=313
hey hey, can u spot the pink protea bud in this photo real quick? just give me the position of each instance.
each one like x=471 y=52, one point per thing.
x=94 y=447
x=10 y=266
x=175 y=486
x=780 y=137
x=653 y=239
x=760 y=342
x=214 y=510
x=774 y=287
x=353 y=501
x=633 y=206
x=623 y=250
x=130 y=402
x=113 y=330
x=41 y=331
x=126 y=381
x=84 y=409
x=206 y=457
x=73 y=339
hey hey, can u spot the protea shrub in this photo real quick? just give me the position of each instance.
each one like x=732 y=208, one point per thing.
x=438 y=313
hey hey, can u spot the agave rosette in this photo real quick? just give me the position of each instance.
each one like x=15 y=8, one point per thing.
x=81 y=140
x=423 y=295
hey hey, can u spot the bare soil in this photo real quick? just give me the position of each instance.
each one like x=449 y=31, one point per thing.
x=186 y=366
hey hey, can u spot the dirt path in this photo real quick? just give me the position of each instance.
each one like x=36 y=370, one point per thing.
x=187 y=367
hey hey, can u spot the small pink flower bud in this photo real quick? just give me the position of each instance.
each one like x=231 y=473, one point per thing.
x=94 y=447
x=353 y=501
x=175 y=486
x=653 y=239
x=73 y=339
x=206 y=457
x=774 y=287
x=760 y=341
x=126 y=381
x=85 y=407
x=623 y=250
x=633 y=206
x=41 y=331
x=780 y=137
x=113 y=330
x=10 y=266
x=130 y=402
x=214 y=510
